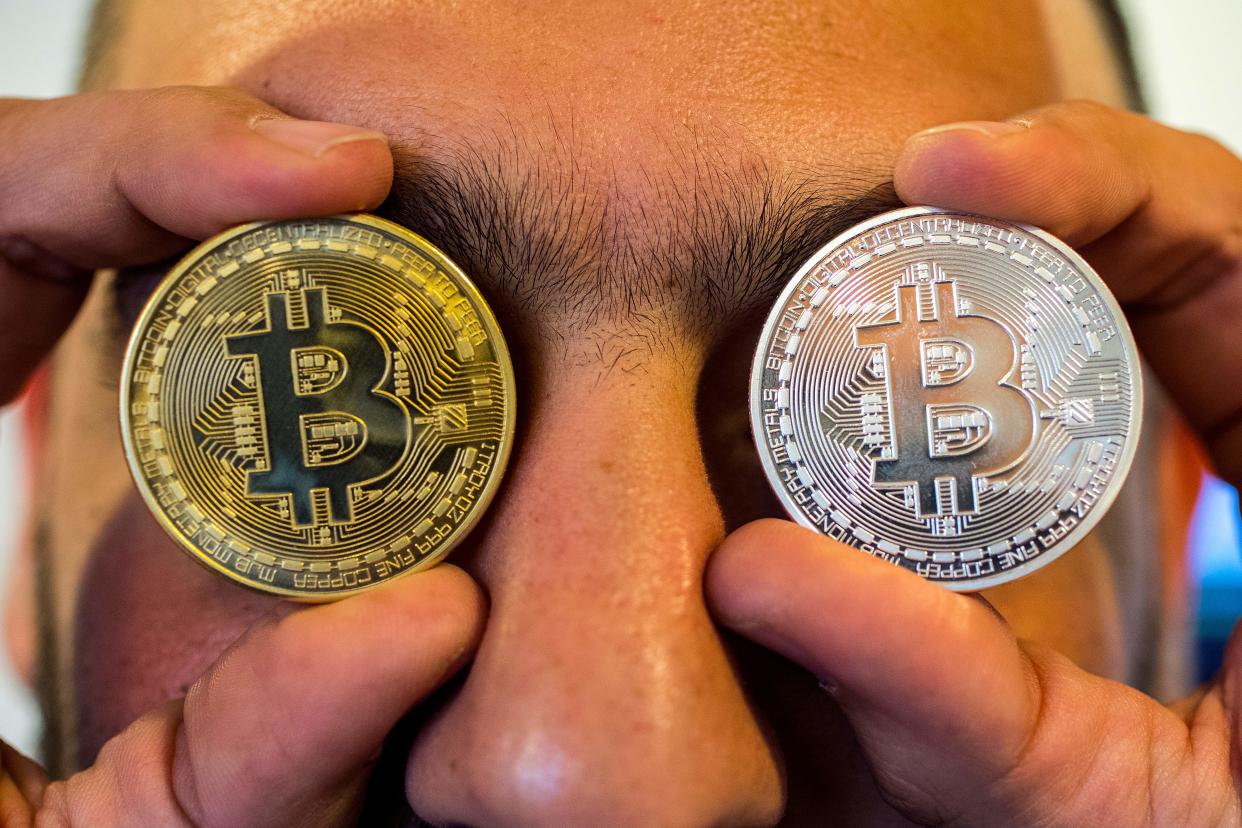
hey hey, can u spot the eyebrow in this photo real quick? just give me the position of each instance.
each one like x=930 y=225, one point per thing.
x=687 y=251
x=684 y=251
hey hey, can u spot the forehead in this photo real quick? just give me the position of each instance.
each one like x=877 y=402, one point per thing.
x=792 y=80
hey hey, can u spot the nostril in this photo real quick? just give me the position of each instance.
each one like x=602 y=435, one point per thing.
x=551 y=787
x=552 y=734
x=601 y=693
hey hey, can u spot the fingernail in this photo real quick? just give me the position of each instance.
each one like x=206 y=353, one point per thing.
x=992 y=129
x=313 y=138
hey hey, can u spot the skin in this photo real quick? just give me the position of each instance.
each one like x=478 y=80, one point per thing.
x=601 y=686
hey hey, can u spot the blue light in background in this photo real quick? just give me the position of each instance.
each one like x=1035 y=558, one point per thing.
x=1216 y=566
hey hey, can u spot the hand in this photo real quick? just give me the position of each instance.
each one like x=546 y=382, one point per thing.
x=125 y=178
x=282 y=729
x=1157 y=211
x=961 y=723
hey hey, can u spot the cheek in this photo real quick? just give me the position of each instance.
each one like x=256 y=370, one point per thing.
x=149 y=621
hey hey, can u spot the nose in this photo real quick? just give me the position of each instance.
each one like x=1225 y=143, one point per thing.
x=602 y=693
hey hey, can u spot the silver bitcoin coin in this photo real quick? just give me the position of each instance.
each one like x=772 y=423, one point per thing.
x=955 y=394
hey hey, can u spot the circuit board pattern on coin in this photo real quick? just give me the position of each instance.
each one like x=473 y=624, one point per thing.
x=955 y=394
x=312 y=407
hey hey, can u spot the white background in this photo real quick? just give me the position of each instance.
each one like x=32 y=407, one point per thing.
x=1188 y=50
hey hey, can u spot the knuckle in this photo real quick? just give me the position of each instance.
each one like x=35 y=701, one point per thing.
x=1087 y=124
x=1222 y=236
x=54 y=810
x=137 y=766
x=1065 y=113
x=15 y=119
x=191 y=101
x=198 y=118
x=205 y=693
x=1086 y=108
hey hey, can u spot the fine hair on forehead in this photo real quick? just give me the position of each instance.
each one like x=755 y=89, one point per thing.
x=107 y=18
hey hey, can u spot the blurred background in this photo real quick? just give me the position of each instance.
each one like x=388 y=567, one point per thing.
x=1189 y=61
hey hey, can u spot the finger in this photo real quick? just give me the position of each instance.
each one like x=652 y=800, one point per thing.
x=117 y=178
x=960 y=724
x=283 y=727
x=120 y=178
x=15 y=810
x=1080 y=170
x=21 y=788
x=34 y=312
x=875 y=631
x=1158 y=211
x=27 y=776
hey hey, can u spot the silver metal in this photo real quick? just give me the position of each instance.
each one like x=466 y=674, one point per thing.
x=955 y=394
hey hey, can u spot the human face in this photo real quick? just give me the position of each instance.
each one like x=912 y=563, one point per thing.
x=629 y=187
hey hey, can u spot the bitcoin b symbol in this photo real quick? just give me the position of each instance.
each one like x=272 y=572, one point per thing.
x=971 y=422
x=328 y=425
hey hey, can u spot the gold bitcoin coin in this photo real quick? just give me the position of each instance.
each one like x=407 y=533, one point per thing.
x=314 y=407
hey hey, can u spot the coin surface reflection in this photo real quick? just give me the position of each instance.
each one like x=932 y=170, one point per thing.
x=314 y=407
x=958 y=395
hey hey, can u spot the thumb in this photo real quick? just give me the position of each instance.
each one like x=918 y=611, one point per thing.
x=283 y=728
x=114 y=179
x=960 y=722
x=924 y=674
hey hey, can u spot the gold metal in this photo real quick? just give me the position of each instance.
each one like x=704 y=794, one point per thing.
x=314 y=407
